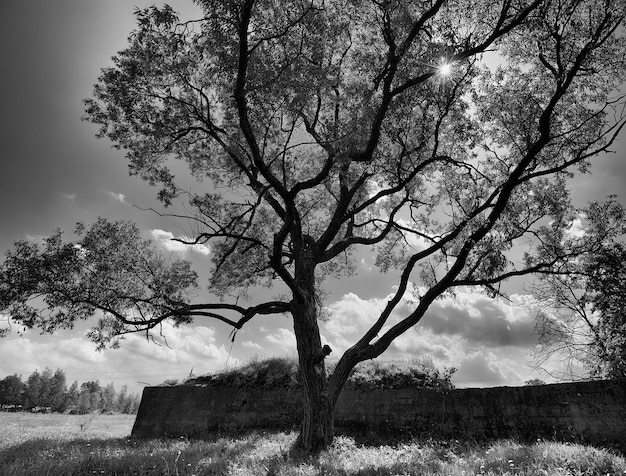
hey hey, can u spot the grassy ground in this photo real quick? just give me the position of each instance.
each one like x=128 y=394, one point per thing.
x=84 y=445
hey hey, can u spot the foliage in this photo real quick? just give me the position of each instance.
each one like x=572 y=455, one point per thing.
x=110 y=268
x=321 y=128
x=48 y=392
x=282 y=372
x=607 y=289
x=417 y=372
x=45 y=390
x=276 y=372
x=12 y=390
x=55 y=450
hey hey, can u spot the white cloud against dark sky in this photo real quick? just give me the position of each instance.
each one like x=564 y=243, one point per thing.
x=54 y=172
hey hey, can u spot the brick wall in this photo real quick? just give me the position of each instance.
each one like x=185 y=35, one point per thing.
x=588 y=411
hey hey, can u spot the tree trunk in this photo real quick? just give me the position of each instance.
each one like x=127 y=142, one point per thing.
x=316 y=432
x=318 y=404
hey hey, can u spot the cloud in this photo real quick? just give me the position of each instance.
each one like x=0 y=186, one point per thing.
x=488 y=340
x=447 y=350
x=577 y=228
x=5 y=323
x=481 y=320
x=252 y=345
x=486 y=369
x=137 y=360
x=283 y=338
x=120 y=197
x=69 y=196
x=36 y=238
x=165 y=240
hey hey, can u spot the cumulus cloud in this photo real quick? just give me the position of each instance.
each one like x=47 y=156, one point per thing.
x=577 y=228
x=488 y=340
x=251 y=345
x=69 y=196
x=137 y=360
x=282 y=338
x=447 y=350
x=120 y=197
x=165 y=239
x=485 y=369
x=481 y=321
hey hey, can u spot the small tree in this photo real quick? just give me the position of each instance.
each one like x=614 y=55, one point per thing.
x=45 y=388
x=12 y=390
x=84 y=403
x=58 y=392
x=322 y=128
x=127 y=402
x=109 y=398
x=72 y=398
x=33 y=394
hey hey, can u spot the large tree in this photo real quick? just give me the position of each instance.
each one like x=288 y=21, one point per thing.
x=323 y=128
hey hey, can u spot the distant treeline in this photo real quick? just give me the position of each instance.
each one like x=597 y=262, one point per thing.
x=47 y=392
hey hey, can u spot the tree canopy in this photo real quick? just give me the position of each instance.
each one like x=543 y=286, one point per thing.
x=438 y=134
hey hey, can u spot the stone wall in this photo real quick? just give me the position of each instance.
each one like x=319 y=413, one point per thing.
x=588 y=411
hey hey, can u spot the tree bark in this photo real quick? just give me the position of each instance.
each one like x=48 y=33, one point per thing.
x=316 y=432
x=318 y=403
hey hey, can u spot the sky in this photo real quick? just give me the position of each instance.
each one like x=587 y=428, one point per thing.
x=54 y=172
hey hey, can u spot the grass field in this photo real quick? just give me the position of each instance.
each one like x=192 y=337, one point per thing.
x=34 y=444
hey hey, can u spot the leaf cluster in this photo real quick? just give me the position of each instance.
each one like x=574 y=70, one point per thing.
x=110 y=270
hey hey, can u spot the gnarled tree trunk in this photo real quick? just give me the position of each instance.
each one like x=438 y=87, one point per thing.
x=318 y=407
x=318 y=403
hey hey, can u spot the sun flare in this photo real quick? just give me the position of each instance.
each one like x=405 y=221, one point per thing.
x=445 y=69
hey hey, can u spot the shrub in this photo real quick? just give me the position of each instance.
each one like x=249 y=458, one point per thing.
x=416 y=372
x=282 y=372
x=276 y=372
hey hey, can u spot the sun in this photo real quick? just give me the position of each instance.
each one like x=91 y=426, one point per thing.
x=445 y=69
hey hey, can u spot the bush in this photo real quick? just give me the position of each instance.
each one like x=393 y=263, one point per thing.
x=282 y=372
x=416 y=372
x=276 y=372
